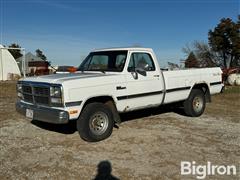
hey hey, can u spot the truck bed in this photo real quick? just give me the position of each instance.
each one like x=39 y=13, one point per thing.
x=179 y=82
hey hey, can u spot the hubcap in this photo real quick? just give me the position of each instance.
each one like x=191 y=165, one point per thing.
x=197 y=104
x=98 y=123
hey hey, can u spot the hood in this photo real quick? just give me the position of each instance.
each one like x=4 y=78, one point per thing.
x=60 y=78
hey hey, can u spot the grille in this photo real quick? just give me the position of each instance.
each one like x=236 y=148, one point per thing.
x=27 y=89
x=36 y=94
x=44 y=91
x=28 y=98
x=41 y=100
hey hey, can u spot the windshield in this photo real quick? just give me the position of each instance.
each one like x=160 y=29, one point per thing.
x=104 y=61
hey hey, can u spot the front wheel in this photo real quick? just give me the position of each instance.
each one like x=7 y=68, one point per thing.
x=95 y=122
x=194 y=106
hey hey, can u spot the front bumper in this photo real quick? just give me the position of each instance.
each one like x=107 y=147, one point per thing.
x=44 y=114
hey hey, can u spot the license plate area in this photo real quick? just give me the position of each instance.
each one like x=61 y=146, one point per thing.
x=29 y=113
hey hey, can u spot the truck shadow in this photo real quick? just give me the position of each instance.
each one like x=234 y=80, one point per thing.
x=70 y=128
x=151 y=112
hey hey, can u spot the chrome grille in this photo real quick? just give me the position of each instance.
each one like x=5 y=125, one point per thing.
x=27 y=89
x=28 y=98
x=36 y=94
x=41 y=100
x=42 y=91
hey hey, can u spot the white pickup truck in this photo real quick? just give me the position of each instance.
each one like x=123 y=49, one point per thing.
x=113 y=81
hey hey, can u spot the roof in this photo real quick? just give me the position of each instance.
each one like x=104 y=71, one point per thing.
x=29 y=57
x=38 y=64
x=124 y=48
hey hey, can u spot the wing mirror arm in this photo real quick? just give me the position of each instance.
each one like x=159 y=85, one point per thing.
x=134 y=74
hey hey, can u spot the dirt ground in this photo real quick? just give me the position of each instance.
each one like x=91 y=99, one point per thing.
x=147 y=145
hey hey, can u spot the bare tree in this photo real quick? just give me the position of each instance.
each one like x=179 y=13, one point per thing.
x=203 y=53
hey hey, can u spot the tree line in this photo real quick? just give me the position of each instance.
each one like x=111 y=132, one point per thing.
x=222 y=49
x=16 y=53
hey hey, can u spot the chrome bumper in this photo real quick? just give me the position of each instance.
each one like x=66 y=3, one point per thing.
x=44 y=114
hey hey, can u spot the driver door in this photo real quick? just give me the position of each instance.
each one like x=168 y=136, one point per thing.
x=143 y=88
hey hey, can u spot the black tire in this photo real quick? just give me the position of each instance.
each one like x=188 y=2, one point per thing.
x=95 y=122
x=195 y=105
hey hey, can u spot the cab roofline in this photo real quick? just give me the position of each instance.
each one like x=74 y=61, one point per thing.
x=123 y=48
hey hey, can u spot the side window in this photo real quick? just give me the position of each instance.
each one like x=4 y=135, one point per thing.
x=141 y=60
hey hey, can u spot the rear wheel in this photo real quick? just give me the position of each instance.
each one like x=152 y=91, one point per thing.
x=95 y=122
x=195 y=104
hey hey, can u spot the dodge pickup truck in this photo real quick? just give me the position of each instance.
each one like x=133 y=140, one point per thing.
x=113 y=81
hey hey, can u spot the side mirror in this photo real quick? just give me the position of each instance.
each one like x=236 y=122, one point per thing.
x=141 y=71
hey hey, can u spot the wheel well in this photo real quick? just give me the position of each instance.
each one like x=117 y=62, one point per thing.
x=101 y=99
x=107 y=100
x=205 y=89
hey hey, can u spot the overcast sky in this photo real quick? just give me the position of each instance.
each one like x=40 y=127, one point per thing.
x=66 y=30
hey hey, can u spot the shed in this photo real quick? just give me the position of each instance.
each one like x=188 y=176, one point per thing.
x=9 y=69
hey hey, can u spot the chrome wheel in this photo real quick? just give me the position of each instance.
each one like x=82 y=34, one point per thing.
x=98 y=123
x=197 y=104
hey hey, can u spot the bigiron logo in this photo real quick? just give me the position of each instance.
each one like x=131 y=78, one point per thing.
x=208 y=169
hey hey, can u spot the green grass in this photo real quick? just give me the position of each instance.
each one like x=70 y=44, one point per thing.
x=232 y=89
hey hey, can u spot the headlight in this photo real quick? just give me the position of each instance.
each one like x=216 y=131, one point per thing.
x=19 y=87
x=55 y=92
x=19 y=91
x=19 y=94
x=56 y=100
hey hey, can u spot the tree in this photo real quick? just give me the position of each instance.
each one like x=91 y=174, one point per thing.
x=203 y=54
x=40 y=54
x=16 y=53
x=224 y=40
x=191 y=61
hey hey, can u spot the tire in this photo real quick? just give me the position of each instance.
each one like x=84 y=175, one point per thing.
x=95 y=122
x=195 y=105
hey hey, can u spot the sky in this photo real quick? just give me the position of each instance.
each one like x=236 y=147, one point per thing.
x=67 y=30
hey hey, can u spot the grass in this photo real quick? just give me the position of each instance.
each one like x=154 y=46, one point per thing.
x=226 y=104
x=232 y=89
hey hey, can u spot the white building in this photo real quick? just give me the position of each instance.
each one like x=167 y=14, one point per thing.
x=29 y=57
x=9 y=69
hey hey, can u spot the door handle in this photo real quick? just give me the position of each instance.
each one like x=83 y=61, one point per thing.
x=120 y=87
x=156 y=75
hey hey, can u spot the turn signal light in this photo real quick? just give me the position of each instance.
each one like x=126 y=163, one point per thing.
x=73 y=112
